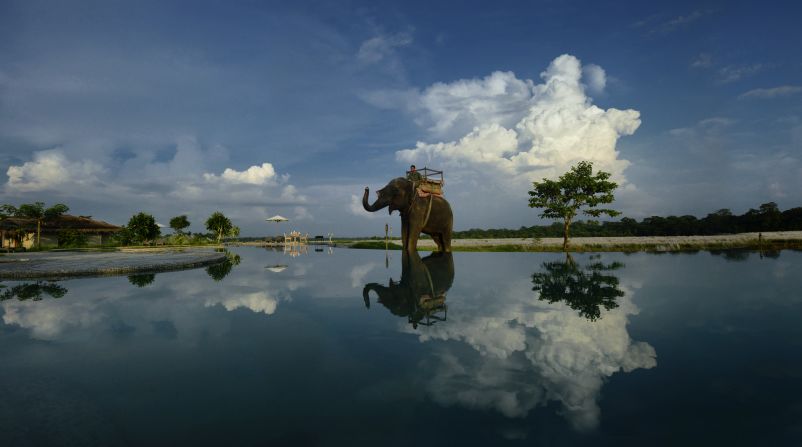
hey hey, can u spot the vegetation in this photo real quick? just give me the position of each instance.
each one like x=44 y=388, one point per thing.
x=141 y=229
x=35 y=211
x=576 y=190
x=767 y=217
x=178 y=223
x=221 y=226
x=72 y=239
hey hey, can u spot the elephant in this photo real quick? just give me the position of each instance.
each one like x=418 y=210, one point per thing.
x=431 y=215
x=421 y=293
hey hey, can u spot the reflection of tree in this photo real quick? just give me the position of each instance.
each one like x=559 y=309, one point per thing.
x=584 y=289
x=33 y=291
x=421 y=293
x=142 y=279
x=220 y=270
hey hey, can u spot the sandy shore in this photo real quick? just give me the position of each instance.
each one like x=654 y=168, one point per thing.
x=68 y=264
x=659 y=243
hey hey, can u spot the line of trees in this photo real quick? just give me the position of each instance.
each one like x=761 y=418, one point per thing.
x=142 y=229
x=767 y=217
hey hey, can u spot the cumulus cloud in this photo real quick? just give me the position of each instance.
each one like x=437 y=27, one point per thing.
x=257 y=302
x=770 y=93
x=254 y=175
x=50 y=169
x=595 y=78
x=521 y=131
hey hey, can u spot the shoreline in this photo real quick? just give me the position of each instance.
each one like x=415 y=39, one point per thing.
x=770 y=241
x=71 y=264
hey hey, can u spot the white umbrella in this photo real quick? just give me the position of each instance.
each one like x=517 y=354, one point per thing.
x=277 y=218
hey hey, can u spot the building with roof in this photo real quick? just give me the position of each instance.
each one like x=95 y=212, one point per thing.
x=20 y=232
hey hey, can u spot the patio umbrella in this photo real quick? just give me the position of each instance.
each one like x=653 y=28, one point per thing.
x=277 y=218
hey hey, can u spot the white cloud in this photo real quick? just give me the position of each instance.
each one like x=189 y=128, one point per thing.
x=358 y=273
x=254 y=175
x=732 y=73
x=775 y=92
x=521 y=131
x=356 y=208
x=595 y=78
x=48 y=170
x=256 y=302
x=378 y=48
x=703 y=60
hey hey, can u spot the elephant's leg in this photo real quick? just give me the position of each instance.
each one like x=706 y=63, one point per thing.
x=438 y=239
x=404 y=232
x=413 y=233
x=445 y=237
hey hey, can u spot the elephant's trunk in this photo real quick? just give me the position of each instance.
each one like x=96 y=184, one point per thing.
x=376 y=206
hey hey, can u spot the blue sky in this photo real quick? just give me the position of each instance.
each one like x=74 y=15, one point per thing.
x=255 y=109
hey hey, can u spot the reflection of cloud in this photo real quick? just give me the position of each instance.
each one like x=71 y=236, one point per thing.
x=48 y=320
x=527 y=353
x=358 y=273
x=256 y=302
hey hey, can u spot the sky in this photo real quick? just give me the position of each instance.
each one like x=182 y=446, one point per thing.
x=263 y=108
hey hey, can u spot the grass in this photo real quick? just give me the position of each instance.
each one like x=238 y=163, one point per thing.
x=771 y=245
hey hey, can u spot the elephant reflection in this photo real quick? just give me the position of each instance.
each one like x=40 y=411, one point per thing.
x=32 y=291
x=421 y=293
x=585 y=289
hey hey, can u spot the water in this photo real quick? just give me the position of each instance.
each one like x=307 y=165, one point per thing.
x=518 y=348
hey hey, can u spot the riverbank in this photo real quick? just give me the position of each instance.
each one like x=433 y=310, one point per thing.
x=63 y=264
x=776 y=240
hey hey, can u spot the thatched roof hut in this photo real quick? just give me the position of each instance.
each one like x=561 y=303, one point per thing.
x=18 y=232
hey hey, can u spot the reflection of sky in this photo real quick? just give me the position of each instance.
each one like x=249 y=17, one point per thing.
x=299 y=349
x=526 y=352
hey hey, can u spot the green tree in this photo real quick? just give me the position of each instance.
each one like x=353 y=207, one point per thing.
x=38 y=212
x=142 y=228
x=577 y=189
x=178 y=223
x=221 y=226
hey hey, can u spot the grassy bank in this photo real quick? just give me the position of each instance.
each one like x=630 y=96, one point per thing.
x=662 y=247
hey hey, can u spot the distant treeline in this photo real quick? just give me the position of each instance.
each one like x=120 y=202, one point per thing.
x=767 y=217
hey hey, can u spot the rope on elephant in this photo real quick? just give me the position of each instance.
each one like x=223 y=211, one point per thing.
x=428 y=210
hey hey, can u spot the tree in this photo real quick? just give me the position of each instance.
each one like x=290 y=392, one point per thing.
x=142 y=228
x=574 y=190
x=38 y=212
x=221 y=226
x=178 y=223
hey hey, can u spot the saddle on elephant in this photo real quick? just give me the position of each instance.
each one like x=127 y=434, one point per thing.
x=428 y=182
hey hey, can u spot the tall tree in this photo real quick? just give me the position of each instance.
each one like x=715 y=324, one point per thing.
x=576 y=190
x=143 y=228
x=221 y=226
x=178 y=223
x=40 y=213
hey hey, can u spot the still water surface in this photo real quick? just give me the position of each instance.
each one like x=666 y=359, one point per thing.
x=346 y=347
